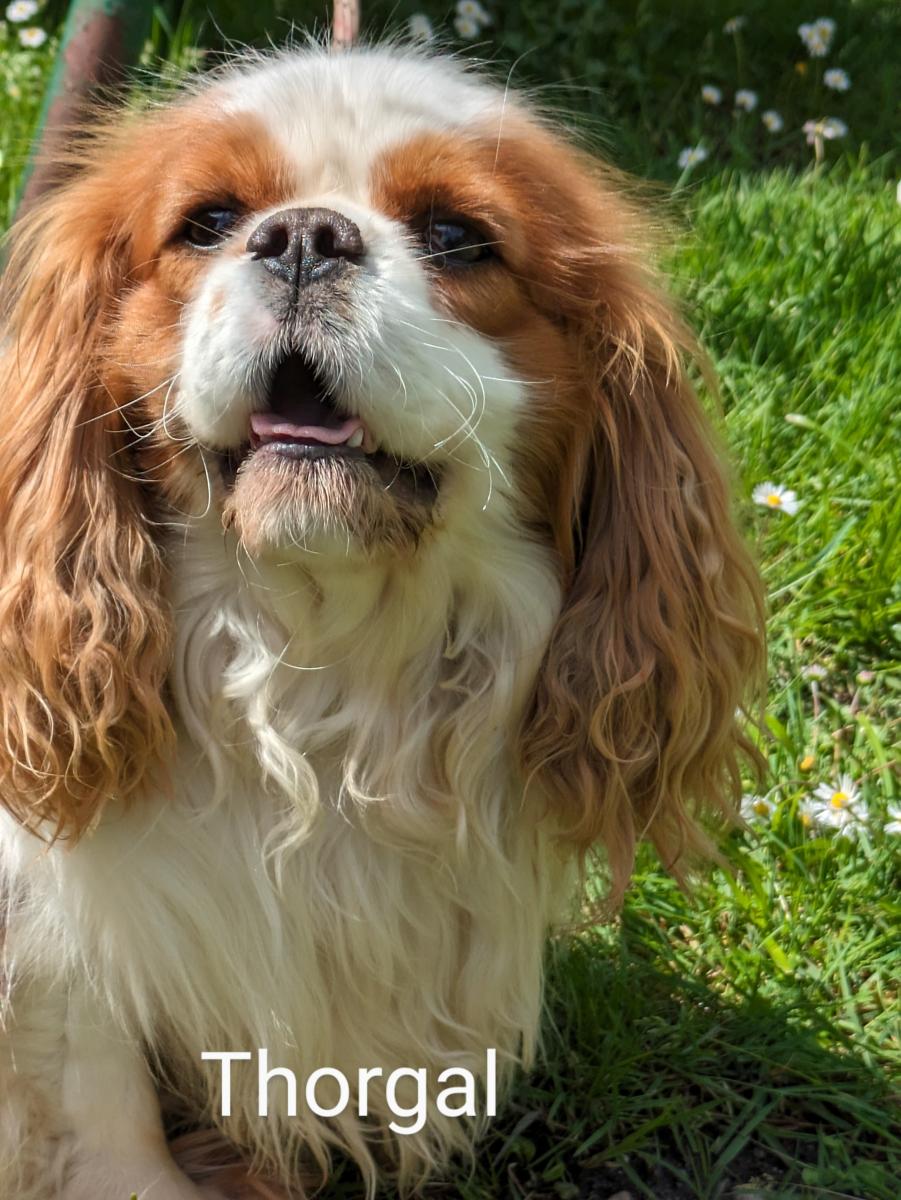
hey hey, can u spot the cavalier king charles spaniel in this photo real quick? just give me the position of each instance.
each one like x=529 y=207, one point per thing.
x=365 y=563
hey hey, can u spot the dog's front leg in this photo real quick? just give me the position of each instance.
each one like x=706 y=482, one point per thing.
x=112 y=1109
x=88 y=1113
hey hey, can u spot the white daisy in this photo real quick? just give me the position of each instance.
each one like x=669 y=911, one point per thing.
x=812 y=130
x=755 y=807
x=893 y=824
x=466 y=27
x=474 y=11
x=832 y=805
x=21 y=10
x=419 y=28
x=734 y=24
x=33 y=36
x=772 y=120
x=837 y=79
x=774 y=495
x=827 y=128
x=711 y=94
x=814 y=671
x=817 y=36
x=746 y=99
x=690 y=156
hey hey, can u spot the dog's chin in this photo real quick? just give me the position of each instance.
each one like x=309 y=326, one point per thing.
x=328 y=500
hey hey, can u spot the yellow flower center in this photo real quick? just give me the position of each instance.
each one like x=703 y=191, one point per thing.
x=761 y=808
x=774 y=500
x=839 y=799
x=807 y=762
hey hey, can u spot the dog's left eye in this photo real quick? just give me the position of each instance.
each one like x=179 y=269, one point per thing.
x=206 y=227
x=454 y=243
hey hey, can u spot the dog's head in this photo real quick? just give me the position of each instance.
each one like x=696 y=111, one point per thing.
x=347 y=302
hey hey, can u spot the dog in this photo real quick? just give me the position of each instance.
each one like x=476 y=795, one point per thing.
x=366 y=563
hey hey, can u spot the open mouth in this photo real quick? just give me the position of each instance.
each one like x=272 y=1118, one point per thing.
x=302 y=419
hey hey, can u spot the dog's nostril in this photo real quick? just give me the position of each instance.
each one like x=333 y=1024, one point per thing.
x=324 y=242
x=335 y=236
x=278 y=241
x=269 y=240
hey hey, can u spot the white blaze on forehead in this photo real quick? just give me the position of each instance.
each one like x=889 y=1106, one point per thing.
x=334 y=114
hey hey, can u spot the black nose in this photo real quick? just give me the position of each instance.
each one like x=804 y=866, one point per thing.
x=299 y=245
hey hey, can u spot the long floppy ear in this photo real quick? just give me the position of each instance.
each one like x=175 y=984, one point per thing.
x=634 y=728
x=83 y=629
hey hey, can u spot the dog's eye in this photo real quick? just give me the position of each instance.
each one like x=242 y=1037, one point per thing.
x=206 y=227
x=454 y=243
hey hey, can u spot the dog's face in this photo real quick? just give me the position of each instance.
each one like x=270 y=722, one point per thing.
x=355 y=304
x=344 y=303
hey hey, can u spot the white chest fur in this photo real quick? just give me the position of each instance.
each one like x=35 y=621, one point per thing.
x=342 y=868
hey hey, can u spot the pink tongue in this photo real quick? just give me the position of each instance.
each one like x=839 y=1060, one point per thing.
x=270 y=427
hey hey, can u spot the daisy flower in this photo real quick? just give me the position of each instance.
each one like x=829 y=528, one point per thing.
x=832 y=805
x=690 y=156
x=21 y=10
x=33 y=36
x=817 y=36
x=893 y=824
x=474 y=11
x=419 y=28
x=755 y=806
x=774 y=495
x=826 y=128
x=837 y=79
x=466 y=27
x=734 y=24
x=711 y=94
x=746 y=99
x=807 y=810
x=772 y=120
x=814 y=671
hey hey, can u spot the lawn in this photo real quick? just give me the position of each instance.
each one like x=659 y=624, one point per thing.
x=742 y=1040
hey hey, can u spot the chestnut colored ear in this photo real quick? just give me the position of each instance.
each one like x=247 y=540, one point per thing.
x=83 y=629
x=633 y=729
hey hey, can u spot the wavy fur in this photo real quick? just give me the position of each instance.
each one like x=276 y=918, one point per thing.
x=83 y=631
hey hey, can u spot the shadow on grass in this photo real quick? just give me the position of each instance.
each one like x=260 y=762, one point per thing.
x=655 y=1084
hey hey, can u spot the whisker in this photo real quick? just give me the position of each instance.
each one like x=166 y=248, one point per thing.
x=458 y=250
x=129 y=403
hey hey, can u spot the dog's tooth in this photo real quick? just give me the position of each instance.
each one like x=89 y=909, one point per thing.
x=356 y=438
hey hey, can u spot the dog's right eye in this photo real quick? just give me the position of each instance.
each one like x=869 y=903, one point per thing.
x=207 y=227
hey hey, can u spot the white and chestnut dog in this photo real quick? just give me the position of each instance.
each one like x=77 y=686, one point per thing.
x=364 y=562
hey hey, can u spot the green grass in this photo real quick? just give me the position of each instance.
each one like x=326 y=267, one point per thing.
x=744 y=1040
